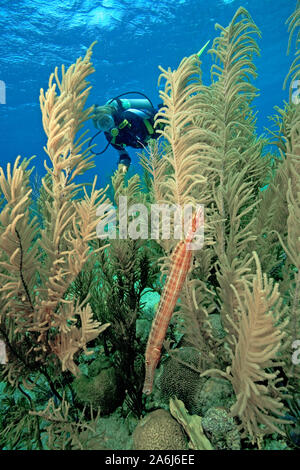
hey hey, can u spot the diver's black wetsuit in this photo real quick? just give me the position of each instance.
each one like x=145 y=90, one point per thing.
x=133 y=130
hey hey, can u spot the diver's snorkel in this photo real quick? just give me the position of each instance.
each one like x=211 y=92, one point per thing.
x=104 y=130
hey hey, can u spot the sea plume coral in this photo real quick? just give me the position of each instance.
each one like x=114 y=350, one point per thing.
x=38 y=266
x=259 y=397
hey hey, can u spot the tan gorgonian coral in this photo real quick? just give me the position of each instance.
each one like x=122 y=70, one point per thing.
x=280 y=208
x=257 y=320
x=19 y=251
x=215 y=158
x=177 y=179
x=260 y=337
x=290 y=240
x=233 y=154
x=63 y=115
x=256 y=355
x=292 y=246
x=292 y=249
x=181 y=107
x=37 y=264
x=153 y=162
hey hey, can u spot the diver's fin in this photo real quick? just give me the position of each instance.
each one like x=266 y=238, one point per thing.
x=203 y=48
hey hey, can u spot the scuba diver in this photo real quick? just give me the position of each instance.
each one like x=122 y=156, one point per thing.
x=126 y=122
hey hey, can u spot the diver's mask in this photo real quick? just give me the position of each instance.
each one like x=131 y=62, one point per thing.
x=105 y=123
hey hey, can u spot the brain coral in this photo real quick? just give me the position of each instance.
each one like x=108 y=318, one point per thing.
x=181 y=381
x=159 y=431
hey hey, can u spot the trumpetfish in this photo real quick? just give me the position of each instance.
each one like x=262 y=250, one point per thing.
x=180 y=266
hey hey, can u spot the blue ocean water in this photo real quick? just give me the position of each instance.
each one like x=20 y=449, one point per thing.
x=134 y=38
